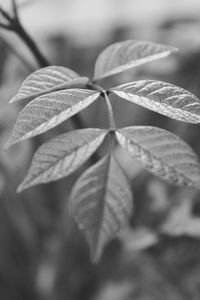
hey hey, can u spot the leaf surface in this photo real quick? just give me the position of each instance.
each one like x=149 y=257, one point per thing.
x=101 y=202
x=162 y=153
x=162 y=97
x=48 y=111
x=62 y=155
x=46 y=80
x=122 y=56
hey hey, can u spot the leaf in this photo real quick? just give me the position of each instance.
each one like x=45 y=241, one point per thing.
x=122 y=56
x=46 y=80
x=48 y=111
x=161 y=97
x=101 y=202
x=162 y=153
x=62 y=155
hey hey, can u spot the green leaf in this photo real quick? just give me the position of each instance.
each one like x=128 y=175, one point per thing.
x=47 y=80
x=48 y=111
x=162 y=153
x=62 y=155
x=122 y=56
x=101 y=203
x=162 y=97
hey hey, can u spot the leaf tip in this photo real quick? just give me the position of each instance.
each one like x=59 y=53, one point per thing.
x=10 y=142
x=21 y=187
x=7 y=145
x=13 y=99
x=25 y=184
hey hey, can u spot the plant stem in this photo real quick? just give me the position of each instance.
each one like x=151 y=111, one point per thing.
x=14 y=24
x=12 y=49
x=21 y=32
x=94 y=86
x=112 y=125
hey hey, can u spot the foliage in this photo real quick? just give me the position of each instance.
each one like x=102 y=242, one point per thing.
x=101 y=200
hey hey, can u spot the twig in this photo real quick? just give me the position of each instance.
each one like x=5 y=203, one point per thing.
x=5 y=15
x=14 y=24
x=42 y=61
x=15 y=12
x=17 y=54
x=5 y=26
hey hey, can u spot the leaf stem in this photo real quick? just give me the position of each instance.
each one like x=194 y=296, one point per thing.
x=112 y=124
x=94 y=86
x=111 y=142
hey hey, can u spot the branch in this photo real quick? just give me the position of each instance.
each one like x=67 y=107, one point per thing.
x=20 y=31
x=5 y=14
x=14 y=24
x=6 y=26
x=15 y=12
x=17 y=54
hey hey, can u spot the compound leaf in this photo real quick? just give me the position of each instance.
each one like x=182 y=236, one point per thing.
x=62 y=155
x=162 y=153
x=162 y=97
x=48 y=111
x=101 y=203
x=122 y=56
x=46 y=80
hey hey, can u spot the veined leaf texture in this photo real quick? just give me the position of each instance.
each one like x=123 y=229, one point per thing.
x=163 y=98
x=125 y=55
x=101 y=199
x=162 y=153
x=62 y=155
x=48 y=111
x=101 y=203
x=46 y=80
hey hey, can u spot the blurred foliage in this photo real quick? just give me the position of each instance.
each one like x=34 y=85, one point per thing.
x=42 y=254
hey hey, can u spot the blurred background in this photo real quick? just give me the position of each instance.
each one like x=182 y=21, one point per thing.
x=42 y=253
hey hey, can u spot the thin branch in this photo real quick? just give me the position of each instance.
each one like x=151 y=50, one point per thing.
x=6 y=26
x=5 y=15
x=15 y=11
x=17 y=54
x=112 y=125
x=20 y=31
x=15 y=25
